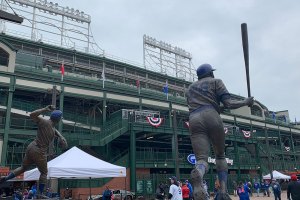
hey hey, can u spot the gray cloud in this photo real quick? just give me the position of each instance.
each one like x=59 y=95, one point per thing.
x=210 y=30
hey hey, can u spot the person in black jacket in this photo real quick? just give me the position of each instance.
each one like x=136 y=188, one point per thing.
x=160 y=193
x=293 y=188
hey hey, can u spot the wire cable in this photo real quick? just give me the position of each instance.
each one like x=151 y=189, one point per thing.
x=11 y=8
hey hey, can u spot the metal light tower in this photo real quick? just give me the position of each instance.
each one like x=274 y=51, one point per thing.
x=166 y=59
x=50 y=23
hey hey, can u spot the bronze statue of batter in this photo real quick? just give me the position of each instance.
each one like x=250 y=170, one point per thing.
x=205 y=124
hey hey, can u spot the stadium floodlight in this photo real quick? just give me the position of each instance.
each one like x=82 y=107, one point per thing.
x=171 y=60
x=54 y=8
x=10 y=17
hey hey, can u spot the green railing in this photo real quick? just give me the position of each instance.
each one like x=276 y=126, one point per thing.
x=113 y=127
x=115 y=86
x=29 y=106
x=3 y=99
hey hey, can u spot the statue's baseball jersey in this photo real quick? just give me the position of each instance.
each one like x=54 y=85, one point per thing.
x=206 y=92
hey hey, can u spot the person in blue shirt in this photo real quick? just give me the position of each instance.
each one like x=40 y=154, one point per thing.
x=107 y=194
x=276 y=189
x=34 y=190
x=243 y=191
x=257 y=188
x=190 y=188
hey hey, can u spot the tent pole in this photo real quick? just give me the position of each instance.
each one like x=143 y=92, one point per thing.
x=90 y=189
x=125 y=187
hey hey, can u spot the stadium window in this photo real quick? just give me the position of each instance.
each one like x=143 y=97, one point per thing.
x=256 y=111
x=4 y=57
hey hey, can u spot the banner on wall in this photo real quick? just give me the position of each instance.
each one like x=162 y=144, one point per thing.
x=155 y=121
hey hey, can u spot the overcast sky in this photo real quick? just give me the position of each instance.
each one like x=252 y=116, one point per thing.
x=210 y=31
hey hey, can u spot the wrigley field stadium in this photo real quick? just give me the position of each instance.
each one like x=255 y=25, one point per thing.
x=123 y=113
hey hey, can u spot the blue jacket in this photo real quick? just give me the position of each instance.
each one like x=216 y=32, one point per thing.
x=106 y=195
x=276 y=188
x=243 y=192
x=191 y=189
x=256 y=186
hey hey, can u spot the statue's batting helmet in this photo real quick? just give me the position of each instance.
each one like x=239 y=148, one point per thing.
x=204 y=69
x=56 y=115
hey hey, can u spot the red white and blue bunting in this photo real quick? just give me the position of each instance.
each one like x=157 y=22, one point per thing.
x=247 y=134
x=155 y=121
x=287 y=148
x=187 y=124
x=225 y=130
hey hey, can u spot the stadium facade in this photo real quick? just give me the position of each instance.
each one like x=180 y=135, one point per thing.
x=119 y=113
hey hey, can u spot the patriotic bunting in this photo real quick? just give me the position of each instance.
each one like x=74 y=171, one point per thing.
x=187 y=124
x=247 y=134
x=287 y=148
x=225 y=130
x=156 y=122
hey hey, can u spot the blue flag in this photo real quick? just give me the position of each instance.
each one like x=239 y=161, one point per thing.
x=274 y=116
x=284 y=118
x=166 y=89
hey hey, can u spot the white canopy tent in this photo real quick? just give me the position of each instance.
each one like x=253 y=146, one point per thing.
x=76 y=164
x=276 y=175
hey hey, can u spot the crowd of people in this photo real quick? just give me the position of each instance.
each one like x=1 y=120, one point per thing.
x=23 y=194
x=183 y=190
x=265 y=188
x=178 y=190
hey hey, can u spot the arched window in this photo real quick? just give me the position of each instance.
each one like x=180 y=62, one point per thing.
x=4 y=57
x=256 y=110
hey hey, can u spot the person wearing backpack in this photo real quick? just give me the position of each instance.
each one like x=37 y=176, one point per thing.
x=107 y=194
x=276 y=189
x=243 y=191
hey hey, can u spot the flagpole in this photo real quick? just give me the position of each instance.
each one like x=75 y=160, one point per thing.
x=103 y=74
x=62 y=70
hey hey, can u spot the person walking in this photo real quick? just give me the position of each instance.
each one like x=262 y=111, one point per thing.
x=276 y=189
x=257 y=188
x=175 y=192
x=267 y=188
x=243 y=191
x=293 y=189
x=36 y=152
x=234 y=184
x=185 y=191
x=205 y=125
x=107 y=194
x=160 y=194
x=189 y=185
